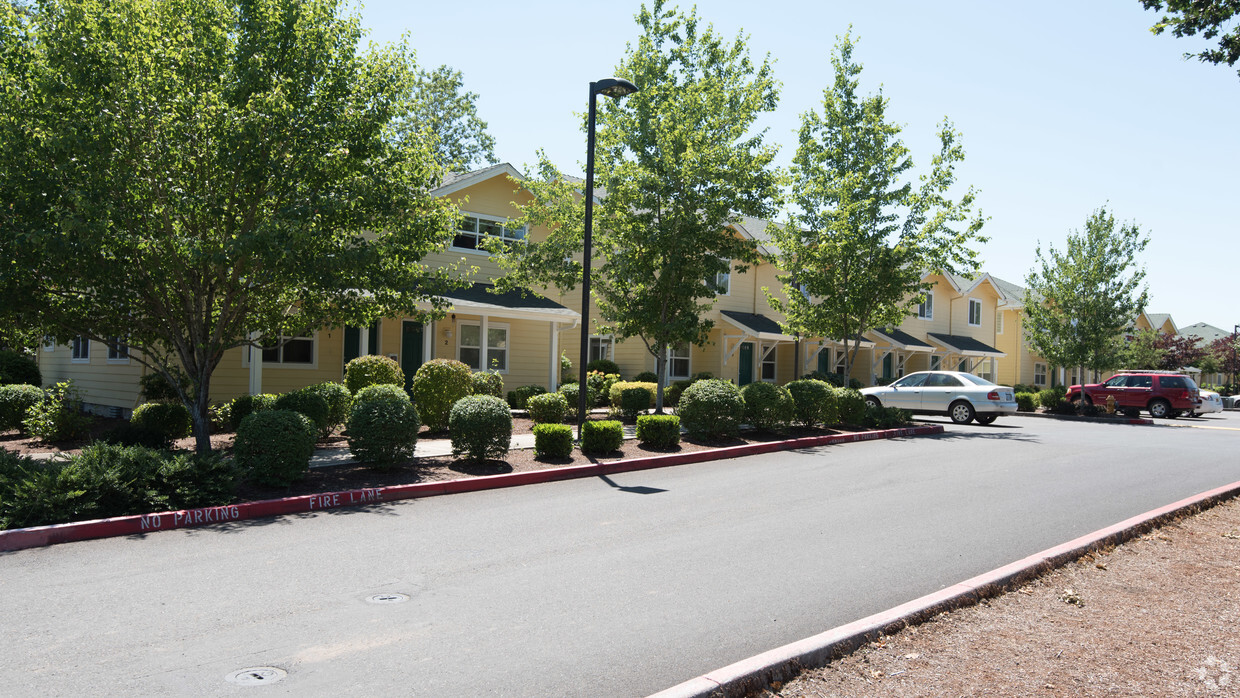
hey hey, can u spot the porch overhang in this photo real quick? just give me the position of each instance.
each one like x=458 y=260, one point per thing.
x=757 y=326
x=478 y=299
x=961 y=345
x=902 y=340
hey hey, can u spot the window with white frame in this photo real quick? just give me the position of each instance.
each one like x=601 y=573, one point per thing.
x=469 y=347
x=975 y=313
x=1039 y=374
x=678 y=362
x=723 y=281
x=936 y=363
x=79 y=349
x=999 y=323
x=295 y=351
x=474 y=229
x=841 y=358
x=925 y=309
x=767 y=368
x=49 y=343
x=118 y=349
x=601 y=346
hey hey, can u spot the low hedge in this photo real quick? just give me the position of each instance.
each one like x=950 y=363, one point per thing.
x=634 y=401
x=481 y=427
x=711 y=409
x=274 y=446
x=553 y=441
x=548 y=408
x=603 y=366
x=851 y=405
x=767 y=406
x=1026 y=402
x=646 y=377
x=1051 y=398
x=658 y=430
x=601 y=437
x=814 y=402
x=620 y=386
x=518 y=398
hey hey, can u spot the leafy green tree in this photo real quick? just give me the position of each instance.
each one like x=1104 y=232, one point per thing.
x=854 y=257
x=1087 y=295
x=198 y=175
x=445 y=115
x=1210 y=18
x=1142 y=351
x=680 y=162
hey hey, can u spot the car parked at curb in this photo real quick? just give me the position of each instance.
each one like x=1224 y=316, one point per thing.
x=1210 y=402
x=1164 y=394
x=962 y=396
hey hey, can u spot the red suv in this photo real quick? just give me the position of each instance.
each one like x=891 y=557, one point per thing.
x=1165 y=394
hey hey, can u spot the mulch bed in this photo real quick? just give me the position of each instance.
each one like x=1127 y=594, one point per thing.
x=422 y=469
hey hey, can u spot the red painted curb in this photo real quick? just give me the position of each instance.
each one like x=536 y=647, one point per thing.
x=22 y=538
x=782 y=663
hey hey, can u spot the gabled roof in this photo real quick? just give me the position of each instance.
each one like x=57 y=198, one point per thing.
x=1012 y=293
x=965 y=346
x=456 y=181
x=480 y=298
x=759 y=326
x=1205 y=334
x=902 y=340
x=1157 y=320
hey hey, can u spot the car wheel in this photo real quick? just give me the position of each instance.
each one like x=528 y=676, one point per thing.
x=872 y=402
x=1160 y=409
x=986 y=419
x=961 y=412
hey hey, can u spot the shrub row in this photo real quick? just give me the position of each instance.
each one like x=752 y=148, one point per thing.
x=715 y=408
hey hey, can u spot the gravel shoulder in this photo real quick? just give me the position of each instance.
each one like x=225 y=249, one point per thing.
x=1157 y=616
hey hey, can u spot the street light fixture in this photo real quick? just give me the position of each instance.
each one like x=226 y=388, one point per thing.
x=615 y=88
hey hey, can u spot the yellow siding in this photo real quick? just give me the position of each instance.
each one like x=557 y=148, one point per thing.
x=99 y=381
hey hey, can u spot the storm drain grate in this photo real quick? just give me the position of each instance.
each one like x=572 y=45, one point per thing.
x=257 y=676
x=393 y=597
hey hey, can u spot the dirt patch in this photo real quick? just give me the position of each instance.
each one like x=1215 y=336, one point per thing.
x=1157 y=616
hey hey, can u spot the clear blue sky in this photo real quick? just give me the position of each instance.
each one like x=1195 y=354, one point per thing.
x=1064 y=107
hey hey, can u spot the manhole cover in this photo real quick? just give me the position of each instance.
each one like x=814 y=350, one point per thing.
x=257 y=676
x=388 y=598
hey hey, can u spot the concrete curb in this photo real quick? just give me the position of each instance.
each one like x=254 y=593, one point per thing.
x=1144 y=421
x=22 y=538
x=784 y=663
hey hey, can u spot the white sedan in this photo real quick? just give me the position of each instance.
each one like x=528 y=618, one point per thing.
x=1210 y=402
x=962 y=396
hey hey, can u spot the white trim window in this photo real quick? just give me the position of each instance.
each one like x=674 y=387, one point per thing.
x=925 y=309
x=936 y=363
x=602 y=346
x=766 y=365
x=678 y=362
x=291 y=351
x=1039 y=374
x=118 y=350
x=999 y=322
x=723 y=281
x=975 y=313
x=469 y=346
x=79 y=350
x=841 y=360
x=49 y=343
x=474 y=228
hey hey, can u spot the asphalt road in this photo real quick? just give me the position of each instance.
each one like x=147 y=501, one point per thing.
x=600 y=587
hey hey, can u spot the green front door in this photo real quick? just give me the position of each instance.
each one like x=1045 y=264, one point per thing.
x=824 y=361
x=353 y=342
x=746 y=372
x=410 y=349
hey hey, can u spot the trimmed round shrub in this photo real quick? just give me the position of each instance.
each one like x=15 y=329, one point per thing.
x=620 y=386
x=646 y=377
x=383 y=391
x=548 y=408
x=572 y=392
x=1026 y=402
x=481 y=427
x=517 y=398
x=15 y=401
x=154 y=387
x=711 y=409
x=553 y=441
x=603 y=366
x=274 y=446
x=19 y=369
x=658 y=430
x=372 y=369
x=487 y=383
x=601 y=437
x=383 y=426
x=170 y=420
x=634 y=401
x=813 y=402
x=312 y=405
x=246 y=405
x=851 y=405
x=338 y=400
x=767 y=406
x=1051 y=398
x=437 y=386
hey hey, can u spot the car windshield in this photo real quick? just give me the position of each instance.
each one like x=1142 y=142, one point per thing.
x=1117 y=382
x=911 y=381
x=975 y=380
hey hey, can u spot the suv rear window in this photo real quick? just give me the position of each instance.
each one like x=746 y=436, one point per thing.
x=1176 y=382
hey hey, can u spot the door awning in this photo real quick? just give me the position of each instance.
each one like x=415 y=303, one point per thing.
x=902 y=340
x=964 y=346
x=479 y=299
x=755 y=325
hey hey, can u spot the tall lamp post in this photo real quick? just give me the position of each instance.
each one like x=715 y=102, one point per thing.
x=615 y=88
